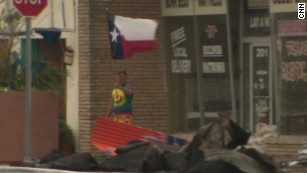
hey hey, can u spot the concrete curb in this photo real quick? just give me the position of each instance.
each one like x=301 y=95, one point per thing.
x=13 y=169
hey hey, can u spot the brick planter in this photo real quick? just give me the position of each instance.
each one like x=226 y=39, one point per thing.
x=285 y=148
x=45 y=136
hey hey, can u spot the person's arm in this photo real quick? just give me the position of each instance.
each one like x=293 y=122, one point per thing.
x=110 y=109
x=127 y=90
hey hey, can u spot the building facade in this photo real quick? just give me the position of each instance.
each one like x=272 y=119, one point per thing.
x=243 y=56
x=213 y=55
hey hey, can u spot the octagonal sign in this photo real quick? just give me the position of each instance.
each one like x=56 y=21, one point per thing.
x=30 y=8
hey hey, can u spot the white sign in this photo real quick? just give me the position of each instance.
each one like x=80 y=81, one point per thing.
x=277 y=6
x=207 y=7
x=180 y=52
x=177 y=7
x=191 y=7
x=291 y=27
x=261 y=106
x=261 y=72
x=259 y=22
x=33 y=2
x=178 y=36
x=257 y=4
x=181 y=66
x=262 y=52
x=210 y=3
x=301 y=10
x=212 y=51
x=214 y=67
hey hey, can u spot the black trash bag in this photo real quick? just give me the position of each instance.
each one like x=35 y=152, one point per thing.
x=218 y=136
x=141 y=157
x=182 y=161
x=263 y=159
x=129 y=147
x=52 y=156
x=176 y=161
x=218 y=166
x=196 y=157
x=76 y=162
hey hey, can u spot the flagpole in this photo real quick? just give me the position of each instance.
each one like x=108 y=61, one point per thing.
x=113 y=71
x=113 y=60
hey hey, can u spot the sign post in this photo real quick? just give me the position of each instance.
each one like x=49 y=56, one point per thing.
x=29 y=8
x=28 y=92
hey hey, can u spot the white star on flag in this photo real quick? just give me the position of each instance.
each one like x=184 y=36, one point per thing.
x=114 y=35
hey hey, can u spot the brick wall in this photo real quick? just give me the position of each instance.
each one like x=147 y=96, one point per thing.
x=285 y=148
x=146 y=71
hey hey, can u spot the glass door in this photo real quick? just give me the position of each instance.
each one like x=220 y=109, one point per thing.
x=260 y=84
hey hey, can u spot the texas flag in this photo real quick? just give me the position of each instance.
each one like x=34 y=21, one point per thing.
x=129 y=36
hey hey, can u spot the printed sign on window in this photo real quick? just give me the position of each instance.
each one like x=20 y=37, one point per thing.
x=214 y=67
x=277 y=6
x=181 y=66
x=177 y=7
x=212 y=51
x=207 y=7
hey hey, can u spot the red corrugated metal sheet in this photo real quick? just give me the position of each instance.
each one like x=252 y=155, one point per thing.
x=109 y=135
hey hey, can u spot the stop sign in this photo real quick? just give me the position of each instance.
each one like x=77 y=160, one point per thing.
x=30 y=7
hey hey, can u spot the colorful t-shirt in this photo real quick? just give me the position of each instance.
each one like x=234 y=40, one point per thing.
x=122 y=103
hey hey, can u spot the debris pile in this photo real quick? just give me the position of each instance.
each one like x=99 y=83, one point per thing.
x=213 y=149
x=263 y=131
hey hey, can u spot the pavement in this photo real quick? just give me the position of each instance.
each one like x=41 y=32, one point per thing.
x=14 y=169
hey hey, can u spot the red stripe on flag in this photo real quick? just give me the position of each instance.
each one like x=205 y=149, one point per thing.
x=133 y=47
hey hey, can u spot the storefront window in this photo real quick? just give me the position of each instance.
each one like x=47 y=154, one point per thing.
x=197 y=59
x=256 y=18
x=180 y=40
x=188 y=96
x=215 y=66
x=291 y=44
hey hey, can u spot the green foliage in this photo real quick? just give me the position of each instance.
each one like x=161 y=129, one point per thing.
x=49 y=78
x=11 y=19
x=9 y=22
x=66 y=131
x=12 y=76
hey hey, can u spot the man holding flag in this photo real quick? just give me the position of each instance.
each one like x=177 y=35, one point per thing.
x=121 y=103
x=127 y=37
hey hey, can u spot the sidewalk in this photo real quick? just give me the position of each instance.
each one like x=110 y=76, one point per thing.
x=13 y=169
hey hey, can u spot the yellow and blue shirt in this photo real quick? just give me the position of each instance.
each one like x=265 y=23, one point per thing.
x=122 y=103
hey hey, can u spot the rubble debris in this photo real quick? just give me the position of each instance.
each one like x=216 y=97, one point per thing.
x=75 y=162
x=141 y=157
x=211 y=150
x=216 y=135
x=216 y=166
x=302 y=157
x=263 y=131
x=52 y=156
